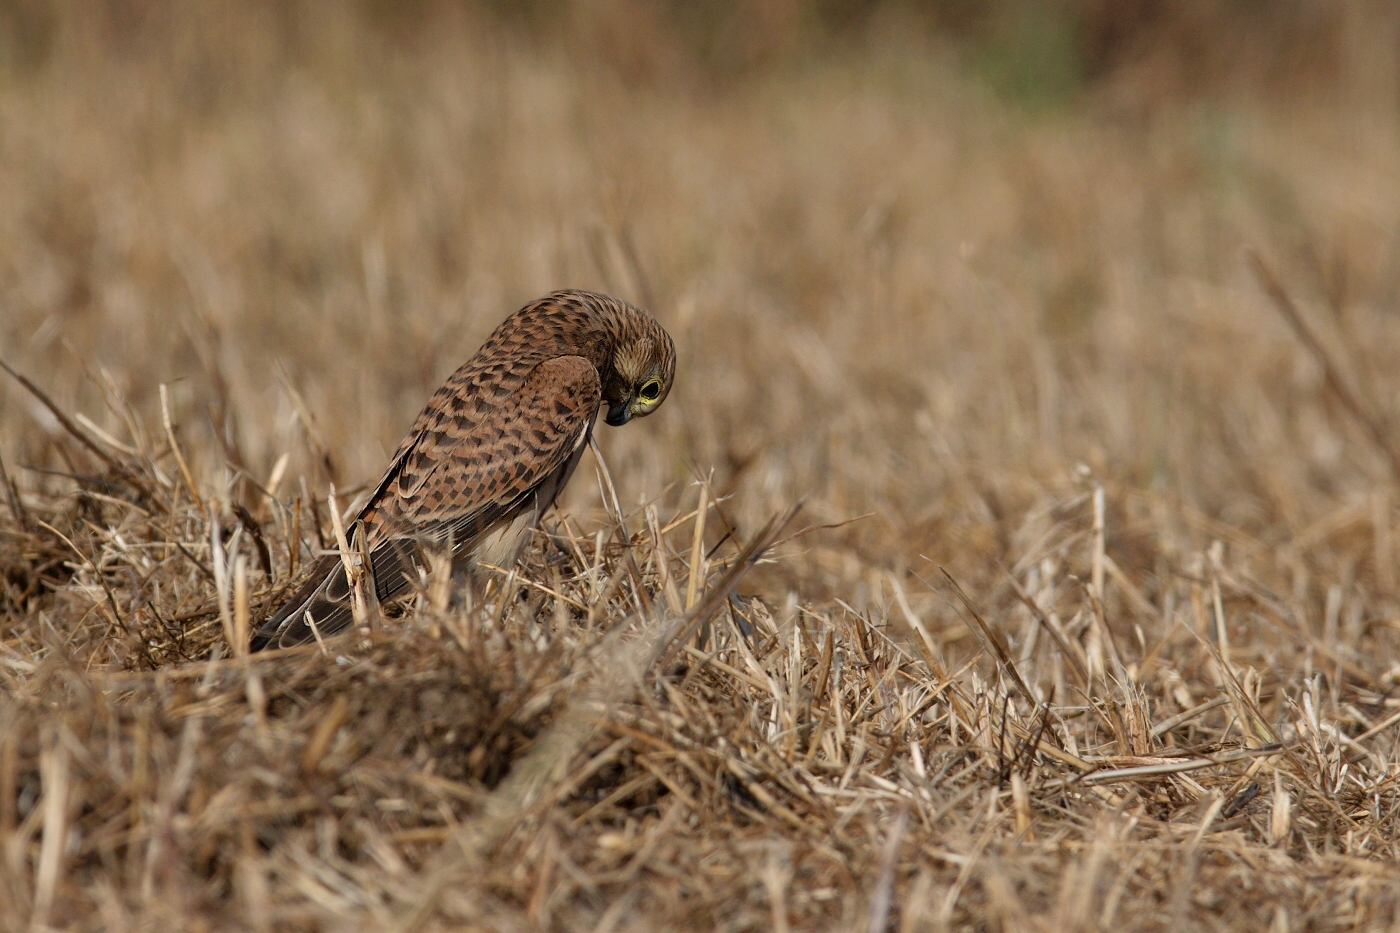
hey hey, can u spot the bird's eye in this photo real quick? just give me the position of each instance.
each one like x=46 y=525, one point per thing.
x=650 y=390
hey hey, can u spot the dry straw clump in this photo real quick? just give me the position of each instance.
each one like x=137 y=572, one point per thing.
x=1087 y=620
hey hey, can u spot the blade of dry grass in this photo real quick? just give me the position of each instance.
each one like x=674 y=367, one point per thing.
x=1283 y=302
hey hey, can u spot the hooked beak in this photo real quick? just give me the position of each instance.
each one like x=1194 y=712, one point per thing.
x=619 y=414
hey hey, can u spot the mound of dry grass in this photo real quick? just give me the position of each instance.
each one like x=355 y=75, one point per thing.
x=577 y=750
x=1088 y=619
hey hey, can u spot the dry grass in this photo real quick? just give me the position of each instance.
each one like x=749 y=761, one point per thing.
x=1019 y=341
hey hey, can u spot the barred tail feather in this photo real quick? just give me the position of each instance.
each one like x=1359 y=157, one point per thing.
x=325 y=596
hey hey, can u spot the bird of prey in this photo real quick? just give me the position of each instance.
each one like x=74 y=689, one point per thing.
x=494 y=446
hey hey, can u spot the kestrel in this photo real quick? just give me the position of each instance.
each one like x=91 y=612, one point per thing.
x=492 y=449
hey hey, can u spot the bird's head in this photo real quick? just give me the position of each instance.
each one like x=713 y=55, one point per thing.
x=643 y=365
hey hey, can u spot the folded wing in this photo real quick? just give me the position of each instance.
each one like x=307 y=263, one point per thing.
x=475 y=458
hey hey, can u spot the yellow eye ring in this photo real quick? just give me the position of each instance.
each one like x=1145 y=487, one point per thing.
x=650 y=390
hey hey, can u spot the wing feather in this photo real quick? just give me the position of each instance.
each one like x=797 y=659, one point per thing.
x=474 y=458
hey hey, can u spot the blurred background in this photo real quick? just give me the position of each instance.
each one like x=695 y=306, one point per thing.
x=936 y=262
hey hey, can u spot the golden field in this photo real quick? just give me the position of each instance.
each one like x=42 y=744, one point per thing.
x=1071 y=327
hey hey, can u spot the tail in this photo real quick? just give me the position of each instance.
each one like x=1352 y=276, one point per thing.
x=325 y=596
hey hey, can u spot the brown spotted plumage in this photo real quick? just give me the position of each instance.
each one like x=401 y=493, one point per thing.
x=494 y=446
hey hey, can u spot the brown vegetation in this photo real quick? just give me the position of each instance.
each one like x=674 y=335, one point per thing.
x=1089 y=618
